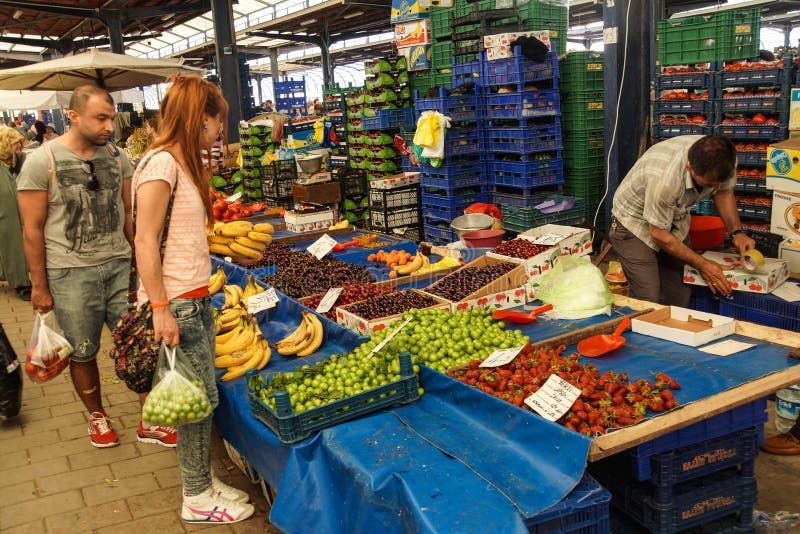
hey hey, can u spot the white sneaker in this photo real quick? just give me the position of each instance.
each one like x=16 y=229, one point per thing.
x=228 y=492
x=210 y=508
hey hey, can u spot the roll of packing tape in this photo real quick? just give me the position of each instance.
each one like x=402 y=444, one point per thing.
x=752 y=260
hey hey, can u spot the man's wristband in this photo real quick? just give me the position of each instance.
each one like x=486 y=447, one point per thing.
x=162 y=304
x=736 y=232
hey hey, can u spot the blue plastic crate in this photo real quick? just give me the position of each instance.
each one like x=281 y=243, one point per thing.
x=754 y=104
x=693 y=503
x=754 y=211
x=523 y=104
x=449 y=207
x=584 y=510
x=432 y=231
x=520 y=69
x=761 y=77
x=389 y=118
x=758 y=158
x=674 y=130
x=524 y=140
x=463 y=142
x=526 y=174
x=768 y=132
x=742 y=313
x=703 y=300
x=745 y=416
x=472 y=71
x=620 y=524
x=470 y=179
x=291 y=427
x=705 y=206
x=752 y=185
x=460 y=108
x=767 y=303
x=683 y=106
x=690 y=80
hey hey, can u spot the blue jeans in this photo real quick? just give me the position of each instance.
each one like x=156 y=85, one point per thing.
x=86 y=297
x=197 y=342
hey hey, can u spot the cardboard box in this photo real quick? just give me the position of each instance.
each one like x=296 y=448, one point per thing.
x=508 y=291
x=771 y=275
x=396 y=180
x=785 y=214
x=368 y=327
x=503 y=40
x=687 y=327
x=789 y=250
x=576 y=242
x=794 y=110
x=404 y=10
x=321 y=193
x=299 y=222
x=783 y=166
x=418 y=56
x=414 y=32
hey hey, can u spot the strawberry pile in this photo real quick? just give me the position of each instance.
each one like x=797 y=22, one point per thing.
x=607 y=400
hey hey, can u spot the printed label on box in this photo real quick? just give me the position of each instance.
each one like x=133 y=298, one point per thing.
x=415 y=32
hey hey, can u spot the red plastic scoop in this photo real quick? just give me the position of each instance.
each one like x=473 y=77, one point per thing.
x=600 y=344
x=520 y=317
x=341 y=246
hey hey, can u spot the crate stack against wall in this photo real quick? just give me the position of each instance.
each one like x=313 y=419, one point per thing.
x=458 y=179
x=290 y=97
x=277 y=179
x=700 y=478
x=584 y=148
x=255 y=141
x=354 y=98
x=334 y=109
x=525 y=165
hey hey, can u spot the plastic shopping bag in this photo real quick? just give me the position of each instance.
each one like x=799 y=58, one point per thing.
x=48 y=349
x=179 y=396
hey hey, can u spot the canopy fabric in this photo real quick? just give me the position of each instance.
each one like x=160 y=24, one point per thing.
x=111 y=71
x=57 y=99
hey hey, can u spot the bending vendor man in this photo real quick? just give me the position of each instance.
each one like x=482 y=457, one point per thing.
x=650 y=223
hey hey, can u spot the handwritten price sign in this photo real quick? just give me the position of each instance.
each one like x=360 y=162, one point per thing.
x=554 y=398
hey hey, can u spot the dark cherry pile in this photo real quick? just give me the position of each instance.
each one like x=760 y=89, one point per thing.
x=391 y=304
x=300 y=274
x=275 y=254
x=351 y=292
x=519 y=248
x=468 y=280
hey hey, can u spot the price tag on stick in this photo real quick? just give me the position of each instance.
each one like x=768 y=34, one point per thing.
x=554 y=398
x=263 y=301
x=322 y=246
x=234 y=197
x=501 y=357
x=329 y=299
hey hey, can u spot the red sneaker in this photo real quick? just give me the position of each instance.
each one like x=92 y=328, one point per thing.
x=166 y=436
x=101 y=434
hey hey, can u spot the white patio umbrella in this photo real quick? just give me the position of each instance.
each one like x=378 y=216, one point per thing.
x=111 y=71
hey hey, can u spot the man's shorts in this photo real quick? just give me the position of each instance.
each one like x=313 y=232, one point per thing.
x=86 y=297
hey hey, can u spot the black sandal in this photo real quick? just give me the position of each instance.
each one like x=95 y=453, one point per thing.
x=24 y=293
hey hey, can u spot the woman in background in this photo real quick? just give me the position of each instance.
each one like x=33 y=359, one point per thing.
x=191 y=118
x=12 y=256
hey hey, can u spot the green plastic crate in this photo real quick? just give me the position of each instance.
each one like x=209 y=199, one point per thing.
x=738 y=33
x=584 y=149
x=440 y=23
x=581 y=71
x=581 y=111
x=441 y=55
x=431 y=79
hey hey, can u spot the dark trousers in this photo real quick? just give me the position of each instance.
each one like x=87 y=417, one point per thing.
x=654 y=276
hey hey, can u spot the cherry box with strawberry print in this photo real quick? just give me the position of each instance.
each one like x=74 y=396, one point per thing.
x=574 y=242
x=299 y=222
x=684 y=326
x=765 y=280
x=397 y=180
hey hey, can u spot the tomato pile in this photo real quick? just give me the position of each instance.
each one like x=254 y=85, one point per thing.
x=682 y=69
x=669 y=120
x=751 y=93
x=225 y=211
x=607 y=400
x=759 y=119
x=759 y=65
x=754 y=201
x=519 y=248
x=683 y=94
x=351 y=292
x=750 y=147
x=752 y=173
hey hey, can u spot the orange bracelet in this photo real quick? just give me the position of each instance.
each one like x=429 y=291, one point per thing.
x=156 y=305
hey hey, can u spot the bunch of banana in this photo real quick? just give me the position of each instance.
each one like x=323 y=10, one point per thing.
x=305 y=340
x=233 y=296
x=445 y=263
x=240 y=238
x=251 y=289
x=257 y=356
x=217 y=281
x=237 y=339
x=227 y=319
x=420 y=261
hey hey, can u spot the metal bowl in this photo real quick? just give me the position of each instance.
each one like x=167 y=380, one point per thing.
x=471 y=222
x=309 y=164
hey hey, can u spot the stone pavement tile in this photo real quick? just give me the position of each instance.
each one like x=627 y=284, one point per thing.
x=17 y=493
x=147 y=449
x=33 y=527
x=89 y=519
x=168 y=522
x=74 y=479
x=31 y=390
x=46 y=401
x=60 y=449
x=10 y=429
x=152 y=463
x=68 y=408
x=25 y=512
x=13 y=459
x=120 y=489
x=131 y=420
x=60 y=384
x=132 y=407
x=34 y=471
x=167 y=500
x=121 y=398
x=94 y=456
x=28 y=415
x=169 y=478
x=69 y=420
x=22 y=442
x=258 y=523
x=210 y=528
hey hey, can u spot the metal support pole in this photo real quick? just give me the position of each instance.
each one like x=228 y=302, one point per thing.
x=112 y=21
x=327 y=70
x=257 y=91
x=627 y=88
x=273 y=69
x=227 y=64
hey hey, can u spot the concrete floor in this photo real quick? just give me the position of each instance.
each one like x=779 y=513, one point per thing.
x=54 y=481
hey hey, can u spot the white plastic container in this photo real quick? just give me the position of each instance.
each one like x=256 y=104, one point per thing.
x=787 y=408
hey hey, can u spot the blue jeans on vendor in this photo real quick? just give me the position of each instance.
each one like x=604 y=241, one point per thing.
x=86 y=297
x=197 y=341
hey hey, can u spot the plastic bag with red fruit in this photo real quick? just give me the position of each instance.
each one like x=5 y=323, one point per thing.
x=48 y=349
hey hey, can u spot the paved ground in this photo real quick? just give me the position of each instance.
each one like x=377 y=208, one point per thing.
x=54 y=481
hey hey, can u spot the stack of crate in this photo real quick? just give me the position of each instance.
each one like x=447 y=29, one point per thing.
x=584 y=147
x=255 y=141
x=277 y=179
x=335 y=109
x=354 y=98
x=290 y=97
x=699 y=477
